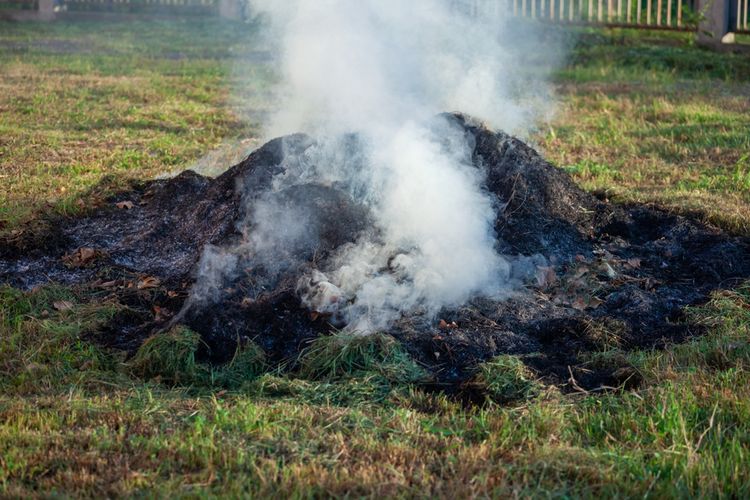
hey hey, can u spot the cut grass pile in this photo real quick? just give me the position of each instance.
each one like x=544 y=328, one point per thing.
x=650 y=120
x=346 y=354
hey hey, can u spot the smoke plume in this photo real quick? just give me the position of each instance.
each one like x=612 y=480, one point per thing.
x=383 y=70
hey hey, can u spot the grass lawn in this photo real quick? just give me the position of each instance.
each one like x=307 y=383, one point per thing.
x=641 y=117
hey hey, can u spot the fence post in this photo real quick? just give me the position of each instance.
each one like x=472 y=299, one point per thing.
x=714 y=23
x=46 y=10
x=230 y=9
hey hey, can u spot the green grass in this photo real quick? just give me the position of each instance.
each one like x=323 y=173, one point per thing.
x=641 y=117
x=83 y=100
x=685 y=432
x=652 y=118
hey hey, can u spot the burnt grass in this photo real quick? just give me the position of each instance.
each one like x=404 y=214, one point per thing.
x=619 y=276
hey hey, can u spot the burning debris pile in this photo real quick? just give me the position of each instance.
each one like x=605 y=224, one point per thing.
x=271 y=253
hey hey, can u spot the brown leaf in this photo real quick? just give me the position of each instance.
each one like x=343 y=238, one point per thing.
x=545 y=276
x=108 y=284
x=148 y=282
x=580 y=272
x=595 y=302
x=172 y=294
x=80 y=257
x=579 y=304
x=633 y=263
x=162 y=314
x=62 y=305
x=125 y=205
x=314 y=315
x=80 y=203
x=443 y=324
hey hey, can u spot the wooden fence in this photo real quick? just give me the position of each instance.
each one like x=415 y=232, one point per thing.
x=189 y=7
x=716 y=17
x=664 y=14
x=654 y=14
x=712 y=19
x=66 y=9
x=741 y=21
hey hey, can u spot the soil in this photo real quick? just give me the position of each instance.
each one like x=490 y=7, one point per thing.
x=618 y=275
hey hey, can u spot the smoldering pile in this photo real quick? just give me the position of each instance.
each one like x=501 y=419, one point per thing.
x=264 y=252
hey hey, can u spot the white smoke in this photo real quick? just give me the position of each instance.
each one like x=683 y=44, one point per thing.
x=384 y=69
x=370 y=64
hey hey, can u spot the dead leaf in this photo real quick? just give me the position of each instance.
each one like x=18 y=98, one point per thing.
x=545 y=276
x=62 y=305
x=578 y=304
x=443 y=324
x=595 y=302
x=125 y=205
x=314 y=315
x=580 y=272
x=580 y=258
x=172 y=295
x=162 y=314
x=148 y=282
x=80 y=257
x=108 y=284
x=633 y=263
x=80 y=203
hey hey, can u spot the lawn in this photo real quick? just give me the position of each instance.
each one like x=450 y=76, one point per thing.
x=86 y=107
